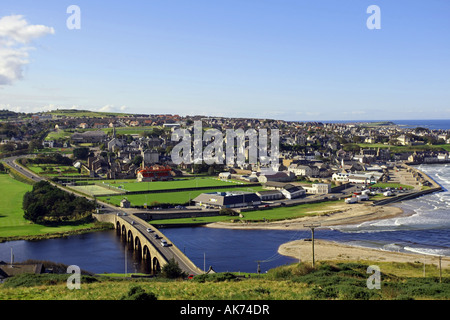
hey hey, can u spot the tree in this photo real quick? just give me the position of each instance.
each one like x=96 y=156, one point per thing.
x=46 y=203
x=81 y=153
x=138 y=160
x=172 y=270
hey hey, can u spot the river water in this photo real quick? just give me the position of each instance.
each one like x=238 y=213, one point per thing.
x=426 y=231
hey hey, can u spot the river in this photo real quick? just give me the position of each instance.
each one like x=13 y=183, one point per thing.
x=426 y=231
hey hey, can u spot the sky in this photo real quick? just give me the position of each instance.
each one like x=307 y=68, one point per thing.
x=299 y=60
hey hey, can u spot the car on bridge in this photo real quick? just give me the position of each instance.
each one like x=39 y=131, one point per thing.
x=164 y=243
x=149 y=230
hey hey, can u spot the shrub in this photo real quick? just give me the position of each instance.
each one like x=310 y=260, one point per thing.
x=139 y=294
x=215 y=277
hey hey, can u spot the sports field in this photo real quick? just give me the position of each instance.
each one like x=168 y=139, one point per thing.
x=95 y=189
x=133 y=185
x=176 y=197
x=12 y=222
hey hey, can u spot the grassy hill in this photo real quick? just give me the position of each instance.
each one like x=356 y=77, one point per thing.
x=83 y=113
x=330 y=280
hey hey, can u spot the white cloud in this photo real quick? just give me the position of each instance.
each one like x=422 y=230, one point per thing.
x=15 y=34
x=112 y=108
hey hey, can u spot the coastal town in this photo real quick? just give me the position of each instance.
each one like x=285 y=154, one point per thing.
x=315 y=158
x=327 y=173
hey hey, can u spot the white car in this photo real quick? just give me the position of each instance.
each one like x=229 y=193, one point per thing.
x=149 y=230
x=164 y=243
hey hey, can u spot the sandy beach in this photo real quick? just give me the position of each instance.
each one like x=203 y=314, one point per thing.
x=329 y=251
x=343 y=214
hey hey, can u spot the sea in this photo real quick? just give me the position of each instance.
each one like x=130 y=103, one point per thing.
x=433 y=124
x=423 y=228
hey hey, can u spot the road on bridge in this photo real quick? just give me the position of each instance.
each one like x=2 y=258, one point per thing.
x=169 y=252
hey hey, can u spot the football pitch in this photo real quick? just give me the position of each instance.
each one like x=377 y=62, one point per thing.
x=181 y=183
x=173 y=198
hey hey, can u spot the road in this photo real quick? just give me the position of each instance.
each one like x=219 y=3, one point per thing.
x=168 y=252
x=27 y=173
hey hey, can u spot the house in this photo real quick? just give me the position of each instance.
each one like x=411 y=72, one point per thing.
x=304 y=170
x=150 y=157
x=225 y=175
x=89 y=137
x=9 y=270
x=404 y=140
x=340 y=176
x=281 y=176
x=115 y=143
x=318 y=188
x=124 y=203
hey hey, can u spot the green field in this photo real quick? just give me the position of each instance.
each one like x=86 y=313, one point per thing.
x=275 y=214
x=395 y=149
x=133 y=185
x=54 y=170
x=59 y=134
x=176 y=197
x=131 y=130
x=12 y=223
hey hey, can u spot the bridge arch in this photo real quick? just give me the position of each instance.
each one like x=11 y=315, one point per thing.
x=130 y=238
x=138 y=247
x=124 y=233
x=144 y=246
x=156 y=267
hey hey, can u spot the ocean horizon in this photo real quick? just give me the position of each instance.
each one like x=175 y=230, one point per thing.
x=432 y=124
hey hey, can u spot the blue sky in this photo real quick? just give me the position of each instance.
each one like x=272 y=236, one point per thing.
x=283 y=59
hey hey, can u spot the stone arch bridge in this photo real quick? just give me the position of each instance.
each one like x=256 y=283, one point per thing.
x=146 y=242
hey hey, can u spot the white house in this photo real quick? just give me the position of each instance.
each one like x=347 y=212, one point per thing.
x=318 y=188
x=340 y=176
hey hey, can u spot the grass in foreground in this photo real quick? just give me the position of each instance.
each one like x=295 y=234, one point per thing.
x=329 y=281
